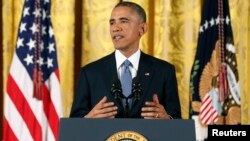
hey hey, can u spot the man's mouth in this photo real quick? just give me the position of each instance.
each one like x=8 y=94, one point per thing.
x=117 y=37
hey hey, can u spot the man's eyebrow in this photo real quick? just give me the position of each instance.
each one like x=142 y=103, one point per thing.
x=123 y=18
x=120 y=19
x=111 y=20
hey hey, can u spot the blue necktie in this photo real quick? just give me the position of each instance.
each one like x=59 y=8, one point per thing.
x=126 y=78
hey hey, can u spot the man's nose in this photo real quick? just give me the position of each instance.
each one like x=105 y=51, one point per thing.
x=116 y=28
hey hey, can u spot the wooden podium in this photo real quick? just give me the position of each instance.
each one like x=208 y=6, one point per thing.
x=80 y=129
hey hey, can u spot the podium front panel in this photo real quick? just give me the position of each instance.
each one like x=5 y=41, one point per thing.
x=80 y=129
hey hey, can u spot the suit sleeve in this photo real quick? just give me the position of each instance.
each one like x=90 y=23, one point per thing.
x=172 y=98
x=81 y=103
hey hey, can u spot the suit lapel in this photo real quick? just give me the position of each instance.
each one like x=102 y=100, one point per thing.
x=111 y=75
x=145 y=74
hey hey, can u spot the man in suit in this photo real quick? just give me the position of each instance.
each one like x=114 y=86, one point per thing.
x=159 y=97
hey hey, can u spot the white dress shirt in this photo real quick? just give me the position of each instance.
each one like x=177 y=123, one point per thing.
x=134 y=60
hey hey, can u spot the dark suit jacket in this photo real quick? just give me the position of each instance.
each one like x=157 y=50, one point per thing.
x=155 y=75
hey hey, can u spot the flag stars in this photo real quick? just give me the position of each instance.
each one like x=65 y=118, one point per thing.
x=28 y=59
x=19 y=42
x=44 y=14
x=206 y=25
x=34 y=28
x=51 y=33
x=49 y=62
x=31 y=44
x=41 y=46
x=43 y=30
x=23 y=27
x=40 y=61
x=201 y=29
x=211 y=22
x=227 y=20
x=37 y=13
x=35 y=42
x=26 y=11
x=217 y=20
x=222 y=20
x=51 y=47
x=46 y=1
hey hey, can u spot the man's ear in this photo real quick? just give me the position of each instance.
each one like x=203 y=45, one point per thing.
x=143 y=28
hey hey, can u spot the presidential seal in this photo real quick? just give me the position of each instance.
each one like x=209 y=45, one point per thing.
x=126 y=136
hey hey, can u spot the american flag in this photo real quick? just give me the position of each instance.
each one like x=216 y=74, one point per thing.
x=32 y=101
x=210 y=108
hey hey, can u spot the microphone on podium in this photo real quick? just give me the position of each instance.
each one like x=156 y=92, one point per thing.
x=135 y=96
x=116 y=89
x=136 y=90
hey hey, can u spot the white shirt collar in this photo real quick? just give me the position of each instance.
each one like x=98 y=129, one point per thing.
x=134 y=59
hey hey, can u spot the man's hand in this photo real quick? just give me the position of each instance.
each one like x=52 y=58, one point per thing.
x=154 y=110
x=103 y=109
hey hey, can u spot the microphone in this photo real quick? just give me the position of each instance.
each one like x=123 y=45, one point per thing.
x=136 y=92
x=116 y=89
x=134 y=97
x=136 y=89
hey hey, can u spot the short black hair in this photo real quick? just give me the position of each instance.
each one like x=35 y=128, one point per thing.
x=137 y=8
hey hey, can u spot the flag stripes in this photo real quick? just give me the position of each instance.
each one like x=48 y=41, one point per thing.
x=26 y=106
x=22 y=106
x=208 y=113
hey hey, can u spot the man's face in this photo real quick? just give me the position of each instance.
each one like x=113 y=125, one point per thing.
x=125 y=28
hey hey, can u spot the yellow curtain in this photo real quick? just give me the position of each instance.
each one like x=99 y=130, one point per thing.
x=172 y=36
x=95 y=31
x=240 y=18
x=11 y=16
x=63 y=20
